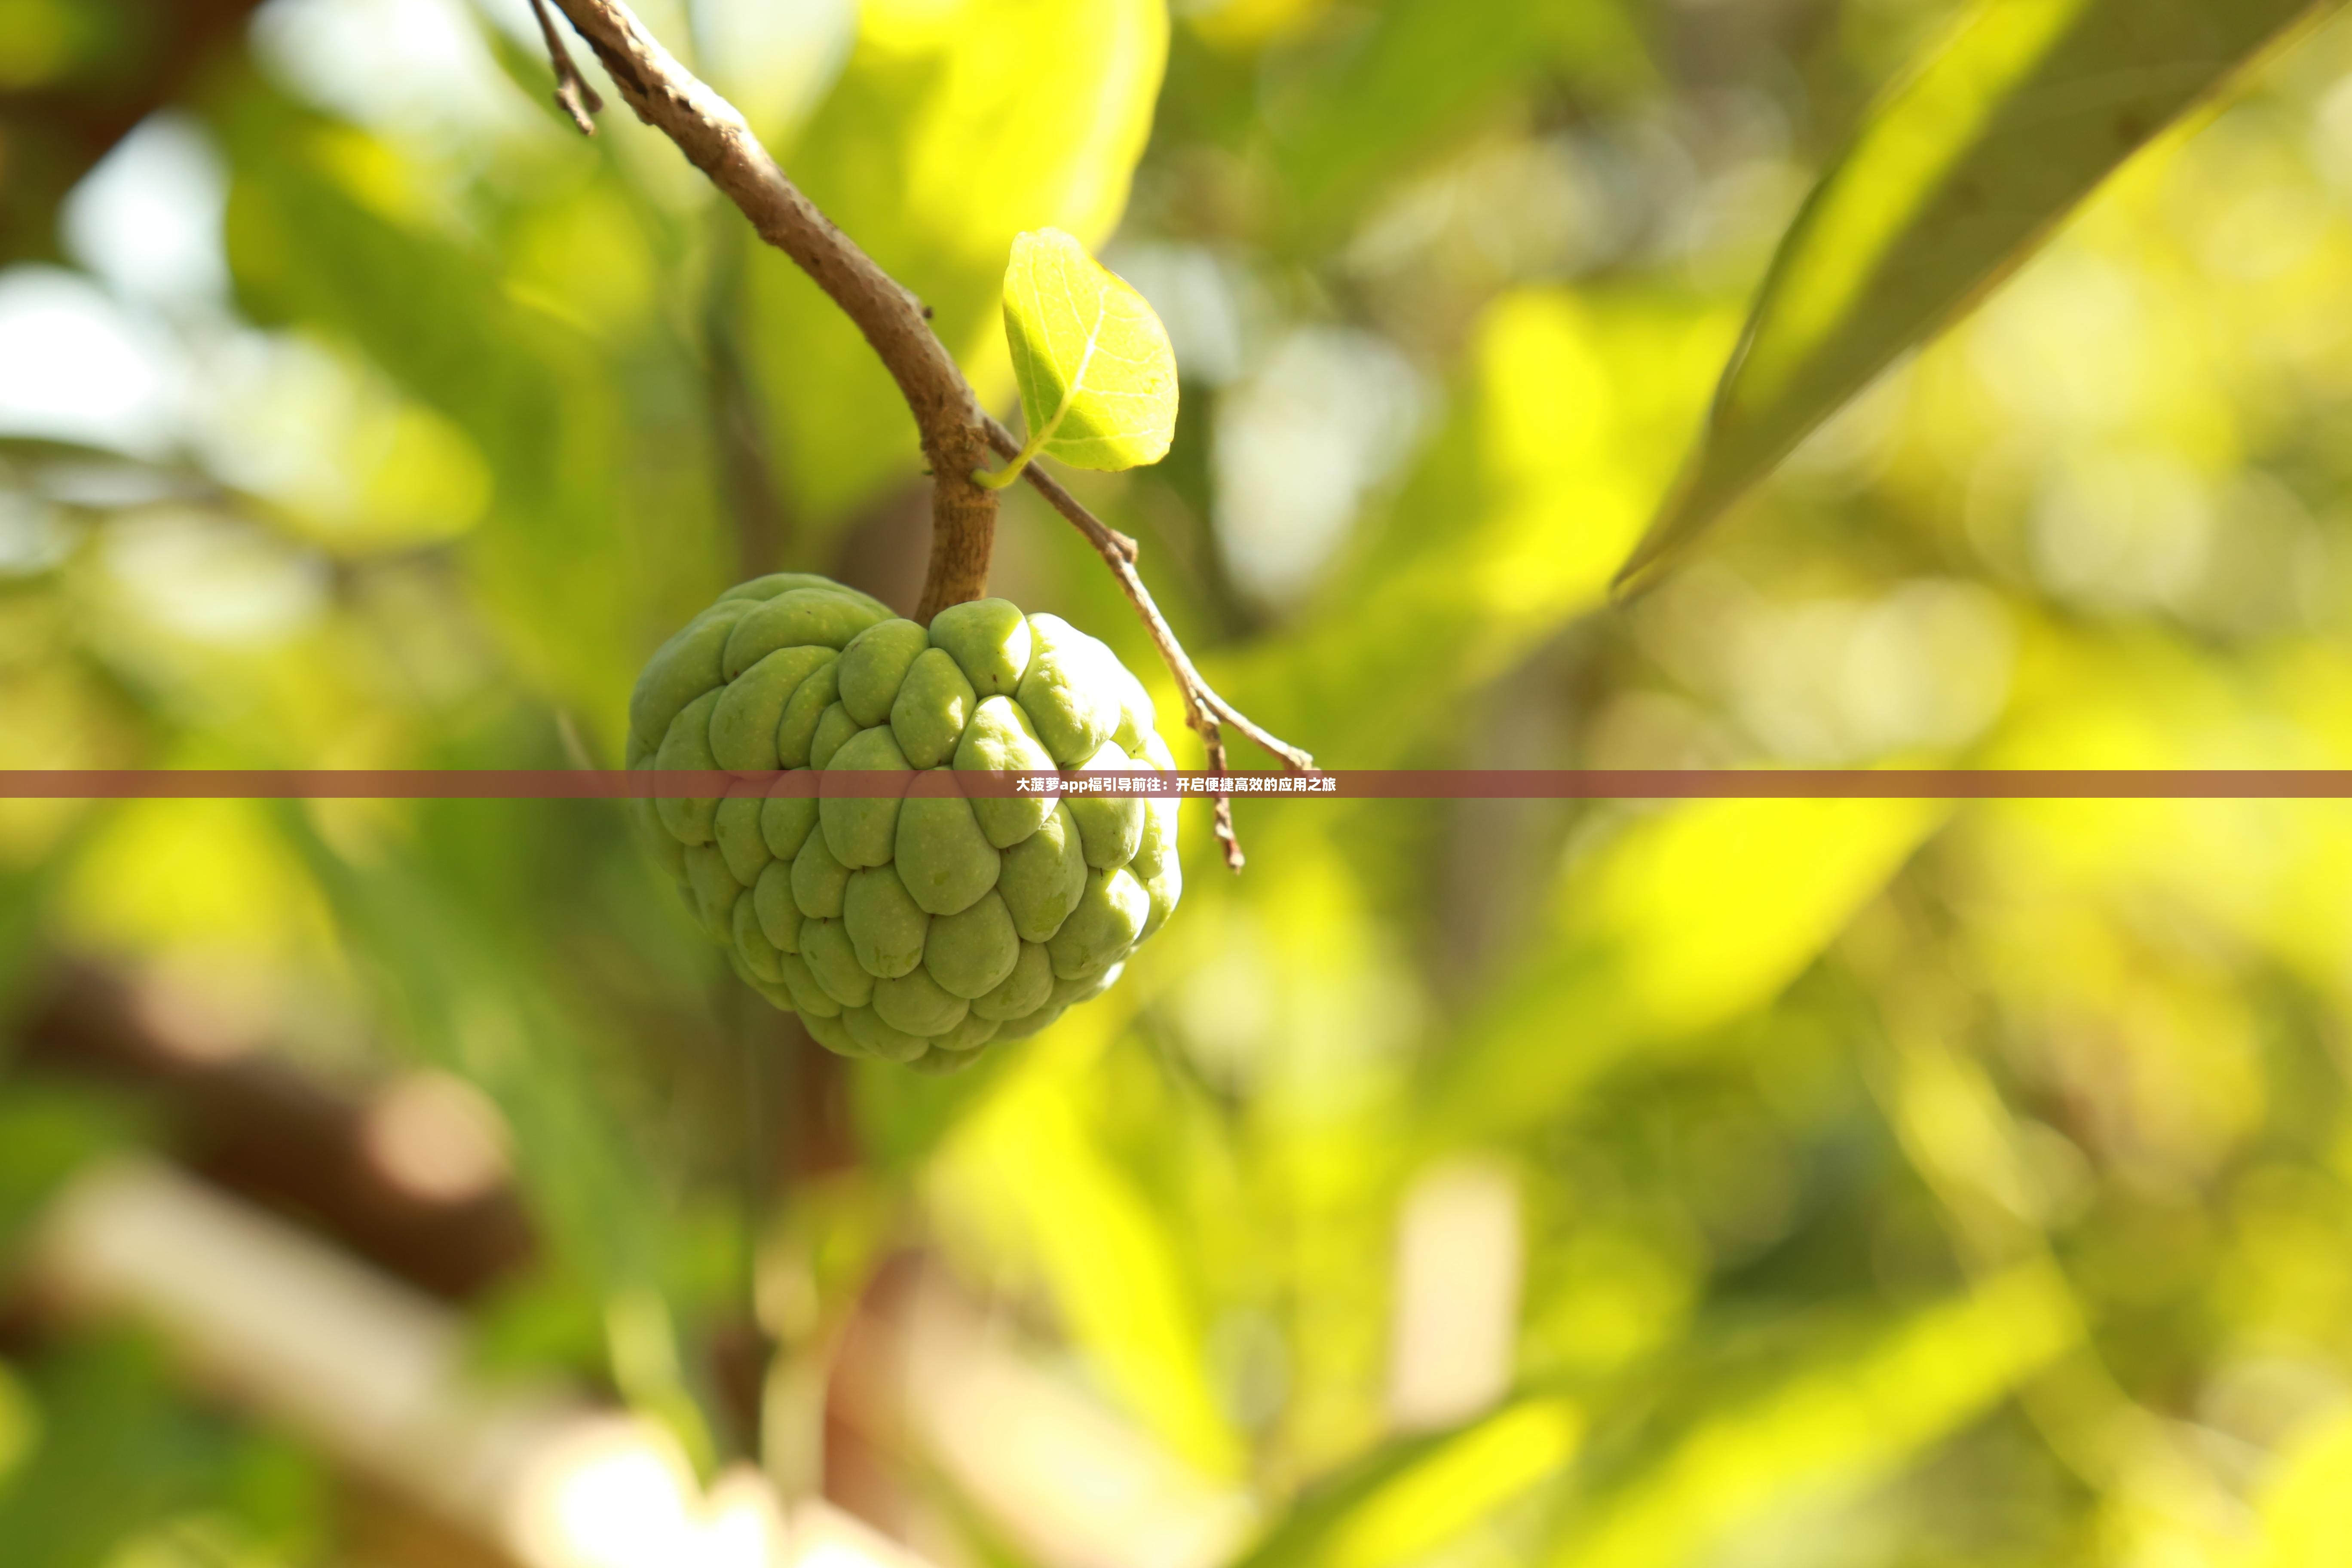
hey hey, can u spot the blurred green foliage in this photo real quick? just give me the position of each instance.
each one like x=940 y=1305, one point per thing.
x=1890 y=1184
x=1956 y=177
x=111 y=1465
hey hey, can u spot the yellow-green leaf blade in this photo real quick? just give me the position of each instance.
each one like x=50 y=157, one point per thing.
x=1852 y=1420
x=1688 y=920
x=1097 y=374
x=933 y=150
x=1958 y=175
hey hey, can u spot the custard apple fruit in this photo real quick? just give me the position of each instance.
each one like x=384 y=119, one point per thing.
x=916 y=927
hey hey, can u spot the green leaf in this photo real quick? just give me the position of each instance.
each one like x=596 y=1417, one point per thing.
x=1831 y=1430
x=50 y=1132
x=582 y=429
x=956 y=125
x=119 y=1452
x=2306 y=1503
x=1097 y=377
x=1415 y=1495
x=1563 y=440
x=469 y=982
x=1687 y=921
x=1959 y=174
x=1027 y=1165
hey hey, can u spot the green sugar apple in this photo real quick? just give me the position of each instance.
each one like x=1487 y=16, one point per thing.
x=912 y=927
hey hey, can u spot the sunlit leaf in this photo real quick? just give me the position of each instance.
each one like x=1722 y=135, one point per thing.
x=1097 y=374
x=1303 y=1532
x=1445 y=1494
x=1565 y=441
x=1686 y=923
x=955 y=126
x=158 y=872
x=1027 y=1167
x=1416 y=1494
x=1830 y=1429
x=1962 y=173
x=2306 y=1503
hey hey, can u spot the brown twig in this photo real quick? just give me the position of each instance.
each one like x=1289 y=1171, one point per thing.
x=1204 y=710
x=957 y=434
x=715 y=139
x=572 y=93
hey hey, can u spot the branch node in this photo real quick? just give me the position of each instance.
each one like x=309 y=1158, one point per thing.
x=573 y=94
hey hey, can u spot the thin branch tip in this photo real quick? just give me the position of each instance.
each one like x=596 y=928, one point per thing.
x=573 y=94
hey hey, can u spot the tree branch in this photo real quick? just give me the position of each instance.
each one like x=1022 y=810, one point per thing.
x=957 y=434
x=572 y=95
x=715 y=139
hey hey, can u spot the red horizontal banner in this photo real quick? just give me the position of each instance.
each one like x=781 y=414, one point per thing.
x=1358 y=784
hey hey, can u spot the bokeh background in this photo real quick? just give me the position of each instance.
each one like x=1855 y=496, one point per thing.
x=1731 y=1184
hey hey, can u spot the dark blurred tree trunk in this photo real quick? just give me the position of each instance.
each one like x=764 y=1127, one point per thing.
x=255 y=1125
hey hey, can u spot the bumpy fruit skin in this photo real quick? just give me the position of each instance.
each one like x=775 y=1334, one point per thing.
x=913 y=928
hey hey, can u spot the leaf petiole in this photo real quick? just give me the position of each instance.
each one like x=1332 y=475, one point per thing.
x=1002 y=478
